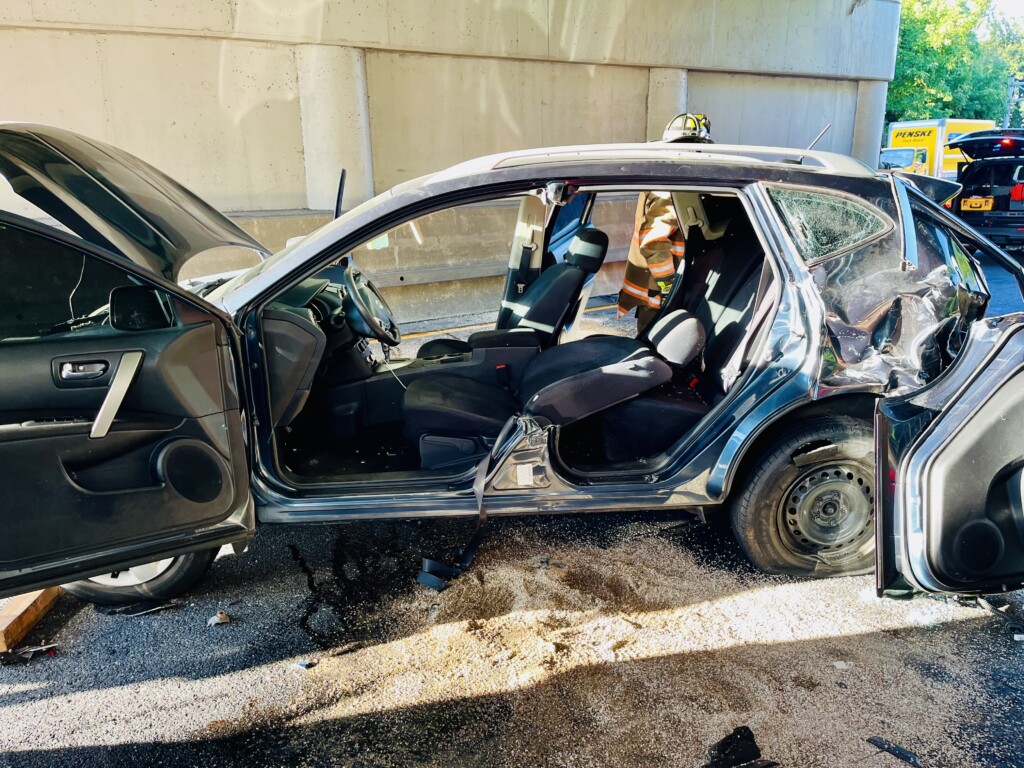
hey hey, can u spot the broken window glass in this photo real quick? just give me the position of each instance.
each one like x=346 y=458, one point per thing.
x=821 y=225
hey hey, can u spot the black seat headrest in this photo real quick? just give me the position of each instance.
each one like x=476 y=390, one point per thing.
x=677 y=338
x=587 y=250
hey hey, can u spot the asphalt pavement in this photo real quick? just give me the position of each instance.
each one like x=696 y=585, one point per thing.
x=166 y=689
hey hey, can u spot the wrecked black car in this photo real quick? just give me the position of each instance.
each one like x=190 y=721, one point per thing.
x=145 y=424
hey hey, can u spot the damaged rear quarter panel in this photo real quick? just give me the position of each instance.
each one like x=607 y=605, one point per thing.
x=881 y=312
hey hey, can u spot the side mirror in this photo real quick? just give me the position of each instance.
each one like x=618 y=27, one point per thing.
x=138 y=308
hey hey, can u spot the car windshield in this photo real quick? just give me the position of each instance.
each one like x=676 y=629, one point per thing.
x=896 y=158
x=251 y=274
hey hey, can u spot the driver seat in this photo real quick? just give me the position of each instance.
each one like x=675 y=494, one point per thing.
x=454 y=420
x=543 y=309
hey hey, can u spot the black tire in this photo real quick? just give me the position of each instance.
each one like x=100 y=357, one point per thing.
x=182 y=575
x=806 y=507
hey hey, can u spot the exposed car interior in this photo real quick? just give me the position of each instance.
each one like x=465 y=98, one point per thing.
x=344 y=410
x=1002 y=180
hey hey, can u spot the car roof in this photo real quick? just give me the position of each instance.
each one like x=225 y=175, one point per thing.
x=740 y=156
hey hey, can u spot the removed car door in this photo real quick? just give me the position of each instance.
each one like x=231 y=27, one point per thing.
x=121 y=432
x=949 y=488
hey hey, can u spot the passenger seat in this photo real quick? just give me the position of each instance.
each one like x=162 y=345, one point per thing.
x=542 y=311
x=720 y=289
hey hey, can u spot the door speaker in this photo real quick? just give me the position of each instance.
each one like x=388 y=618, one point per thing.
x=978 y=546
x=193 y=470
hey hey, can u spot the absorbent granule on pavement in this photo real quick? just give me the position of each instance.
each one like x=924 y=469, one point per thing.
x=640 y=652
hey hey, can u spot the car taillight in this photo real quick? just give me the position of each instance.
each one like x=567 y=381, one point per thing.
x=948 y=205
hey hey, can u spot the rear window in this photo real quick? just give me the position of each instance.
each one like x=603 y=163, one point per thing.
x=823 y=224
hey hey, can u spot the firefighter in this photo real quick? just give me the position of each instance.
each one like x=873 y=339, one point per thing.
x=658 y=245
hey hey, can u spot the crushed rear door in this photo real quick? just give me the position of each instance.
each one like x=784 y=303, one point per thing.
x=950 y=473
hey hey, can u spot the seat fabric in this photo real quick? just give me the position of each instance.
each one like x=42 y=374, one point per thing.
x=651 y=423
x=559 y=386
x=545 y=305
x=453 y=405
x=720 y=289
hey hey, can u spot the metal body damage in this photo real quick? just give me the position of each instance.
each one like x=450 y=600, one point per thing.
x=866 y=321
x=863 y=291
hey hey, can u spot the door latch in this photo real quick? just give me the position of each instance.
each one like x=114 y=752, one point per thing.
x=82 y=371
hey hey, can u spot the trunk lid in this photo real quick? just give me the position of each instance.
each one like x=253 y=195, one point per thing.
x=982 y=145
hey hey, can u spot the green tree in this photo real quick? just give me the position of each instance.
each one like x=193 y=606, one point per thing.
x=945 y=68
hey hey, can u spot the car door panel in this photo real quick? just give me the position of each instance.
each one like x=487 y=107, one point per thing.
x=951 y=511
x=115 y=444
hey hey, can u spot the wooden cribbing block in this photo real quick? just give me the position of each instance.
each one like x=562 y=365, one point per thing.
x=21 y=613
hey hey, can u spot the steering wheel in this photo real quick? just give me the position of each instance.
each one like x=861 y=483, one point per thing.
x=371 y=307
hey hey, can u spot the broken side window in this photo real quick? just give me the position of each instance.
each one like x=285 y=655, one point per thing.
x=823 y=224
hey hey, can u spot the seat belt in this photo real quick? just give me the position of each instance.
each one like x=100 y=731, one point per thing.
x=522 y=280
x=437 y=574
x=732 y=370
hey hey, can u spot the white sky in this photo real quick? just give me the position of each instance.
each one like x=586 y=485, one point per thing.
x=1010 y=7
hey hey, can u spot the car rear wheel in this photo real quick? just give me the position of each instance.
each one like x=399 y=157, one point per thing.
x=807 y=506
x=160 y=580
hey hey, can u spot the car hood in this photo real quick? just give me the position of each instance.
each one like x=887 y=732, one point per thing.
x=982 y=145
x=112 y=199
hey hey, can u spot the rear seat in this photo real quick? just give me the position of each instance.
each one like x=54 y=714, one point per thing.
x=720 y=290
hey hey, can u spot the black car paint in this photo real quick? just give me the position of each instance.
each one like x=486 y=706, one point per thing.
x=112 y=199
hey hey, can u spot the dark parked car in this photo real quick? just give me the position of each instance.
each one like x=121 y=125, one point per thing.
x=144 y=425
x=992 y=198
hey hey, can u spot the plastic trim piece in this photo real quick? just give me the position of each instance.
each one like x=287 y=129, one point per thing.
x=123 y=377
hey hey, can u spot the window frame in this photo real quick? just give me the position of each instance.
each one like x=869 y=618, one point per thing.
x=780 y=219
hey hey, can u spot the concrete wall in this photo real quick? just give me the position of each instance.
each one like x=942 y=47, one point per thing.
x=257 y=105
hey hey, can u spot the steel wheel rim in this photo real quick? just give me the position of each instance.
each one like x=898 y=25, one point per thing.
x=828 y=512
x=134 y=576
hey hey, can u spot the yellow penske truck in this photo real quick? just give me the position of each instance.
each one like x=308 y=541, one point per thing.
x=919 y=146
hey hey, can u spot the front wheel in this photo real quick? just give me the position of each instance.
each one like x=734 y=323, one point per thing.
x=807 y=507
x=160 y=580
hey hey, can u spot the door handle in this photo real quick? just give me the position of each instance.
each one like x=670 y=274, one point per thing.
x=123 y=377
x=83 y=371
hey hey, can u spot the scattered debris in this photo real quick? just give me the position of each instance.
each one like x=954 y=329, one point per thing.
x=141 y=608
x=543 y=563
x=26 y=653
x=1013 y=624
x=220 y=617
x=737 y=749
x=438 y=575
x=306 y=664
x=898 y=752
x=841 y=665
x=351 y=647
x=20 y=613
